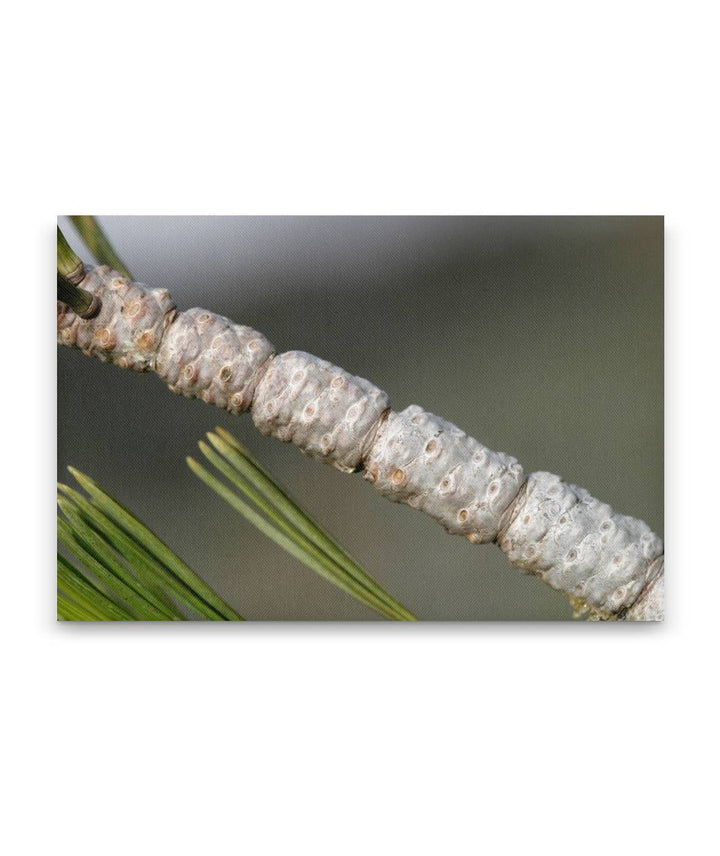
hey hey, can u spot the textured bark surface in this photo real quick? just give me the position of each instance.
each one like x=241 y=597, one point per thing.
x=430 y=464
x=650 y=605
x=129 y=327
x=322 y=409
x=204 y=355
x=610 y=563
x=579 y=545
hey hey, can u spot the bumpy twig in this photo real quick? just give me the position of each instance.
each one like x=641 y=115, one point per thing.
x=609 y=563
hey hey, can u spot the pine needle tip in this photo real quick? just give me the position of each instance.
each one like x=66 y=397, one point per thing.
x=80 y=477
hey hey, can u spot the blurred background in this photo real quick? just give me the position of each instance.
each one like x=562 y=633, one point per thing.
x=540 y=336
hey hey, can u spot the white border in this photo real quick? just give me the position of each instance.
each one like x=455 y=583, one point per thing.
x=327 y=739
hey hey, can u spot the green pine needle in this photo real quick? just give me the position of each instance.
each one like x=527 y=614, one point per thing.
x=155 y=547
x=282 y=520
x=69 y=263
x=123 y=572
x=247 y=466
x=69 y=610
x=93 y=552
x=73 y=583
x=157 y=578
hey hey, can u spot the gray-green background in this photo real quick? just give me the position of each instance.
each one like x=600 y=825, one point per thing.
x=540 y=336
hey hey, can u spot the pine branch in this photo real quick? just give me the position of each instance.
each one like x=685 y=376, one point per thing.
x=607 y=561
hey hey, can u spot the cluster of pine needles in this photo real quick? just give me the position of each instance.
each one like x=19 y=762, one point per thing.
x=116 y=569
x=121 y=571
x=252 y=492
